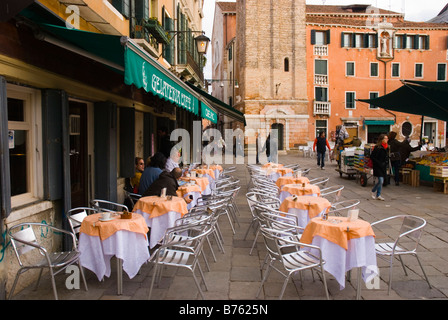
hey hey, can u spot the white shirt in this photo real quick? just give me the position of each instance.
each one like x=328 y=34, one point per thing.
x=171 y=164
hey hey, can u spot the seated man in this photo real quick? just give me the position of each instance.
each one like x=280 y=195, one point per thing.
x=166 y=180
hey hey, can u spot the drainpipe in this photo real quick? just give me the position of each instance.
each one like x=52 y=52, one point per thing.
x=385 y=88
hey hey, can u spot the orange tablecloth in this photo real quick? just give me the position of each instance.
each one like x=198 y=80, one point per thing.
x=183 y=190
x=215 y=167
x=339 y=233
x=92 y=226
x=201 y=182
x=291 y=180
x=282 y=171
x=314 y=205
x=210 y=172
x=301 y=190
x=156 y=206
x=272 y=165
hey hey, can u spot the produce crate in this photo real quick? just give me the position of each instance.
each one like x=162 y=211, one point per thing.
x=439 y=171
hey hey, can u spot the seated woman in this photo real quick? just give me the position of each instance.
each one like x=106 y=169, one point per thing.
x=139 y=168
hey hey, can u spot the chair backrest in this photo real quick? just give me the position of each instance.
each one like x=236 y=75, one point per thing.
x=75 y=217
x=412 y=227
x=132 y=198
x=105 y=205
x=333 y=192
x=339 y=208
x=23 y=240
x=319 y=180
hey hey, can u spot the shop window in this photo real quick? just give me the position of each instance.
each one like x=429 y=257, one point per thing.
x=321 y=126
x=24 y=144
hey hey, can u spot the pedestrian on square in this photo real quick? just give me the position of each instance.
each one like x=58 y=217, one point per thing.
x=380 y=160
x=321 y=143
x=396 y=149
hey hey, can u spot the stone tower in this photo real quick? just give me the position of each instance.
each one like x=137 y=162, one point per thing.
x=272 y=68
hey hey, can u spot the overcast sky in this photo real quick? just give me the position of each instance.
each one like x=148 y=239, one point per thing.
x=415 y=10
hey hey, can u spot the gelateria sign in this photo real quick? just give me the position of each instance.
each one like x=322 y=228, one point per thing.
x=143 y=74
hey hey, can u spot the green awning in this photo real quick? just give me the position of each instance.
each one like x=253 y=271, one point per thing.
x=208 y=113
x=423 y=98
x=379 y=122
x=125 y=57
x=142 y=73
x=220 y=106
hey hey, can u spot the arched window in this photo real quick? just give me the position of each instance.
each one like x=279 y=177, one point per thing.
x=286 y=65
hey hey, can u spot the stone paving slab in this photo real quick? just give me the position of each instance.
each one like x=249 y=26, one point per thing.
x=236 y=275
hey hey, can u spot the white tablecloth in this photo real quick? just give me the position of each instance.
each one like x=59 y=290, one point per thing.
x=130 y=247
x=360 y=253
x=303 y=216
x=159 y=225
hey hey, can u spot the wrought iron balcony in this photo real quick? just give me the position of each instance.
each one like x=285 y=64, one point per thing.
x=155 y=28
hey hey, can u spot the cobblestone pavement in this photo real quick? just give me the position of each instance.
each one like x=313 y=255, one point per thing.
x=236 y=275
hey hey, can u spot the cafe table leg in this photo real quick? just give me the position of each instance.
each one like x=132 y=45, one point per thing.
x=358 y=284
x=119 y=276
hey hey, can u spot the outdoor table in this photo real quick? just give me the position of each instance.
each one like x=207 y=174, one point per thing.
x=202 y=182
x=160 y=213
x=126 y=239
x=345 y=245
x=305 y=208
x=189 y=190
x=291 y=180
x=298 y=189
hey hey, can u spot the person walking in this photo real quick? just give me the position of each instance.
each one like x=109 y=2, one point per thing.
x=380 y=160
x=395 y=148
x=322 y=143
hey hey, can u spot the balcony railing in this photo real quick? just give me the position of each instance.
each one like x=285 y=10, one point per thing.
x=322 y=108
x=320 y=79
x=320 y=50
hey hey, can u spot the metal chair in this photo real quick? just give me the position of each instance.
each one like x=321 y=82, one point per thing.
x=23 y=240
x=319 y=180
x=105 y=205
x=411 y=229
x=341 y=206
x=292 y=261
x=75 y=217
x=131 y=197
x=332 y=193
x=182 y=254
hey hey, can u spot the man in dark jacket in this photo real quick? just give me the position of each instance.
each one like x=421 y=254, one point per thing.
x=166 y=180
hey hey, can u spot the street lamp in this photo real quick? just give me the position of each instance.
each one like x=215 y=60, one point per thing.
x=202 y=41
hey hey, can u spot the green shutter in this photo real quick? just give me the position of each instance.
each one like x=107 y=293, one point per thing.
x=313 y=37
x=127 y=142
x=105 y=145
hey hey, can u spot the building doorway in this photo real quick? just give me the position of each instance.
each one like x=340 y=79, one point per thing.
x=279 y=128
x=78 y=153
x=374 y=131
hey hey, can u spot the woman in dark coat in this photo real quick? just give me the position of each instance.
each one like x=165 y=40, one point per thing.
x=380 y=160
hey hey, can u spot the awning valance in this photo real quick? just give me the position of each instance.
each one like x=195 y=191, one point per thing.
x=142 y=73
x=208 y=113
x=125 y=57
x=379 y=122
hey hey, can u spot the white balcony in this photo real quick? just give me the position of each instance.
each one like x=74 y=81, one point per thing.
x=320 y=50
x=320 y=79
x=322 y=108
